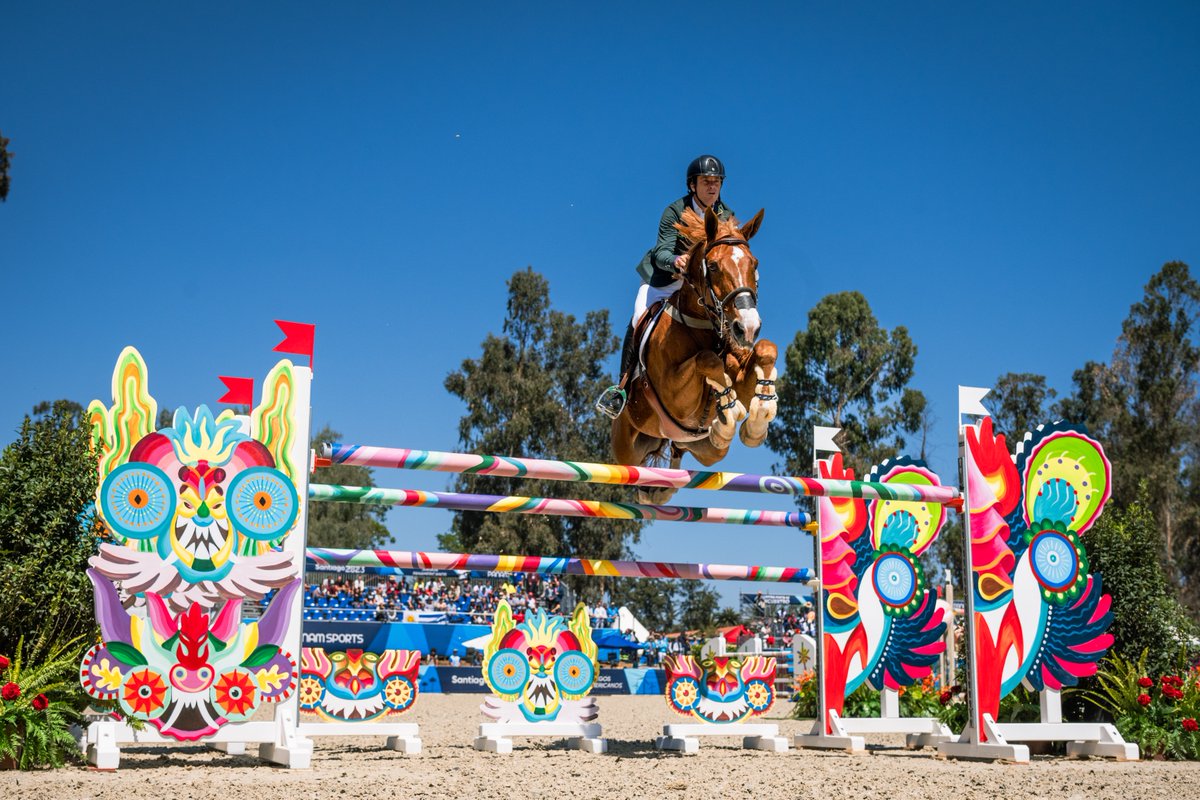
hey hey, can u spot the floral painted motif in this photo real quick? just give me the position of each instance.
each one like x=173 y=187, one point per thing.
x=541 y=669
x=720 y=689
x=188 y=674
x=1041 y=618
x=198 y=510
x=882 y=623
x=357 y=685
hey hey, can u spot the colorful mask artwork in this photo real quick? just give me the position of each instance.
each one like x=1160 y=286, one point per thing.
x=197 y=513
x=882 y=624
x=541 y=669
x=356 y=685
x=188 y=674
x=1040 y=617
x=197 y=510
x=720 y=689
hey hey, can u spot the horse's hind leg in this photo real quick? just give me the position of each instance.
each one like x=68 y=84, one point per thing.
x=658 y=495
x=633 y=448
x=757 y=385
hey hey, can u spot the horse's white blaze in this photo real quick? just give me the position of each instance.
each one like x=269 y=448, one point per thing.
x=738 y=255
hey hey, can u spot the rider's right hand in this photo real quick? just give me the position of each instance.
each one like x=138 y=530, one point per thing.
x=681 y=262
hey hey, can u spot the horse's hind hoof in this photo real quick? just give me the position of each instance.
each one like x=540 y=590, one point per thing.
x=655 y=495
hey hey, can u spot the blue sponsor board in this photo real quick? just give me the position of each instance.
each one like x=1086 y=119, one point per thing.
x=469 y=680
x=378 y=636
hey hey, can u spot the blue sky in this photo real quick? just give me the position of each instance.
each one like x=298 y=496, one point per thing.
x=1001 y=178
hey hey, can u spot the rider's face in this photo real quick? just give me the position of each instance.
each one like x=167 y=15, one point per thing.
x=708 y=189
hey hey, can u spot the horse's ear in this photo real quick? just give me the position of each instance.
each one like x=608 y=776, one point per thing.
x=751 y=227
x=710 y=224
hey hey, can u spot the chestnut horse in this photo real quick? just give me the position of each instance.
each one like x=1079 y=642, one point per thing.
x=705 y=368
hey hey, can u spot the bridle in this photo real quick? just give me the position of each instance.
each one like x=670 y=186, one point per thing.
x=714 y=307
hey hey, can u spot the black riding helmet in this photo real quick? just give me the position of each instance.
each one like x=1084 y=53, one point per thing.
x=704 y=165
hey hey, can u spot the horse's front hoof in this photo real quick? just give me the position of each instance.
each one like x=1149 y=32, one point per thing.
x=763 y=408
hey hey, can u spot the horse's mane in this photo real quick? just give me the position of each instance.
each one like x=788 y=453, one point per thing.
x=691 y=226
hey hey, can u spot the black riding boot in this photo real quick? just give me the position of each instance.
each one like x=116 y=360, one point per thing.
x=628 y=353
x=612 y=402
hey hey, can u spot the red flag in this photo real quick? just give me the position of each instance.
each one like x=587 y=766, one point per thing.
x=297 y=338
x=239 y=391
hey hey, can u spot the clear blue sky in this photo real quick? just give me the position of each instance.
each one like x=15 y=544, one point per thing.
x=1001 y=178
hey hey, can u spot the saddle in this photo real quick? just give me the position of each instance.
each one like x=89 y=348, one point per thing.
x=673 y=428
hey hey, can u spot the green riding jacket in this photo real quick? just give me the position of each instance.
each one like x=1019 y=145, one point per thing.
x=657 y=267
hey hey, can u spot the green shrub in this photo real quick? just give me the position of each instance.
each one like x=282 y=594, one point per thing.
x=1159 y=713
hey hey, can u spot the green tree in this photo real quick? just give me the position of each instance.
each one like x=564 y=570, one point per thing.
x=48 y=529
x=727 y=617
x=1143 y=406
x=946 y=553
x=530 y=393
x=846 y=371
x=1145 y=612
x=1018 y=404
x=698 y=605
x=652 y=602
x=344 y=525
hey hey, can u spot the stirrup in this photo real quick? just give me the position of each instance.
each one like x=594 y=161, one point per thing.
x=612 y=402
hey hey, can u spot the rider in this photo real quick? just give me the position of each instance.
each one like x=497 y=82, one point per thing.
x=661 y=269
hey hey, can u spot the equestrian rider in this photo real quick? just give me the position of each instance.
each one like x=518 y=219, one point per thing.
x=662 y=268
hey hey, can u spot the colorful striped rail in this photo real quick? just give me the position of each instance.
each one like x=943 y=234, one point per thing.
x=585 y=472
x=549 y=565
x=552 y=506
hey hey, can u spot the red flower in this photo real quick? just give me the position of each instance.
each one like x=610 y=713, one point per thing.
x=1189 y=724
x=4 y=662
x=1145 y=682
x=1172 y=692
x=1172 y=680
x=1144 y=699
x=10 y=691
x=40 y=703
x=945 y=696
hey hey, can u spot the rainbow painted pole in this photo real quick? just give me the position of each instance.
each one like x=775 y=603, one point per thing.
x=585 y=472
x=554 y=507
x=550 y=565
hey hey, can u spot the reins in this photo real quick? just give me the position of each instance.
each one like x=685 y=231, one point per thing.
x=714 y=307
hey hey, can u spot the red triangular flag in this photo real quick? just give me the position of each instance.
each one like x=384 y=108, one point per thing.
x=240 y=391
x=297 y=337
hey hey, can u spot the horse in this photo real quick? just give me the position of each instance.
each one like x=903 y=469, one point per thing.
x=705 y=370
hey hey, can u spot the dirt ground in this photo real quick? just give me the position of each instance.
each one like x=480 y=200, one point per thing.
x=449 y=768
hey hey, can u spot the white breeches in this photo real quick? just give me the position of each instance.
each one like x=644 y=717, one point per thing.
x=648 y=295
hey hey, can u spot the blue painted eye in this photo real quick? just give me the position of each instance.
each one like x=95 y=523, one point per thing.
x=574 y=672
x=262 y=503
x=1054 y=560
x=895 y=580
x=137 y=501
x=508 y=671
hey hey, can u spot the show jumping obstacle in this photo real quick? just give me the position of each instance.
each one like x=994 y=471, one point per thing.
x=513 y=504
x=684 y=738
x=654 y=477
x=163 y=548
x=550 y=565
